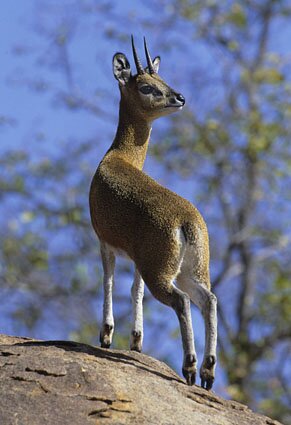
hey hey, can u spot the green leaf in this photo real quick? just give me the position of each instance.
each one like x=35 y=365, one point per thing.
x=237 y=16
x=268 y=76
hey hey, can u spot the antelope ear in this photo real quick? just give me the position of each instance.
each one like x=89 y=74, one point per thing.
x=121 y=68
x=156 y=64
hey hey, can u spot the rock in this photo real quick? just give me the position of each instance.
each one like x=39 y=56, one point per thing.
x=62 y=382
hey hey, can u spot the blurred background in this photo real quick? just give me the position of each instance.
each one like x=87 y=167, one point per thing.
x=228 y=152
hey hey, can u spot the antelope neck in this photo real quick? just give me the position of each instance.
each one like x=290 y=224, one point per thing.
x=132 y=137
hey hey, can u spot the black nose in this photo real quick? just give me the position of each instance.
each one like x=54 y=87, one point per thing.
x=181 y=98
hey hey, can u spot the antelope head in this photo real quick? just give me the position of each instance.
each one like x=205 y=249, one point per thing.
x=145 y=94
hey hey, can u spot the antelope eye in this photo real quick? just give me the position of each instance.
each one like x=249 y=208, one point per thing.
x=146 y=89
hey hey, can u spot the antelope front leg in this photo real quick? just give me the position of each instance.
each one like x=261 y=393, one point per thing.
x=137 y=292
x=181 y=305
x=108 y=262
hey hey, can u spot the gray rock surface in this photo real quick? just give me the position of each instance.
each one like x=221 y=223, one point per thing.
x=61 y=382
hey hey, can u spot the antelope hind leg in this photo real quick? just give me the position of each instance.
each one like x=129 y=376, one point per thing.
x=206 y=301
x=181 y=305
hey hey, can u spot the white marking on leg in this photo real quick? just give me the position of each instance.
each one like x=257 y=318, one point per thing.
x=108 y=262
x=137 y=292
x=180 y=238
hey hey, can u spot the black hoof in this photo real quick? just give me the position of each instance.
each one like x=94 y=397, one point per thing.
x=207 y=383
x=136 y=341
x=189 y=369
x=104 y=341
x=104 y=345
x=189 y=376
x=105 y=338
x=135 y=348
x=207 y=372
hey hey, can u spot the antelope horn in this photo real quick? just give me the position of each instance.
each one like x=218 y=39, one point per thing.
x=138 y=64
x=149 y=60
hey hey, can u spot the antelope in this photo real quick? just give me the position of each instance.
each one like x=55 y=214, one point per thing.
x=162 y=233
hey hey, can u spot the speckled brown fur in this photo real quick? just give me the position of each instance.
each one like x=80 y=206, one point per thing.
x=132 y=212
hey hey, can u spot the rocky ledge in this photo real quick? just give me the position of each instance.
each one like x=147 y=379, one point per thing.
x=62 y=382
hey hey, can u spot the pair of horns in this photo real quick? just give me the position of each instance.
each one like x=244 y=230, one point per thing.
x=137 y=61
